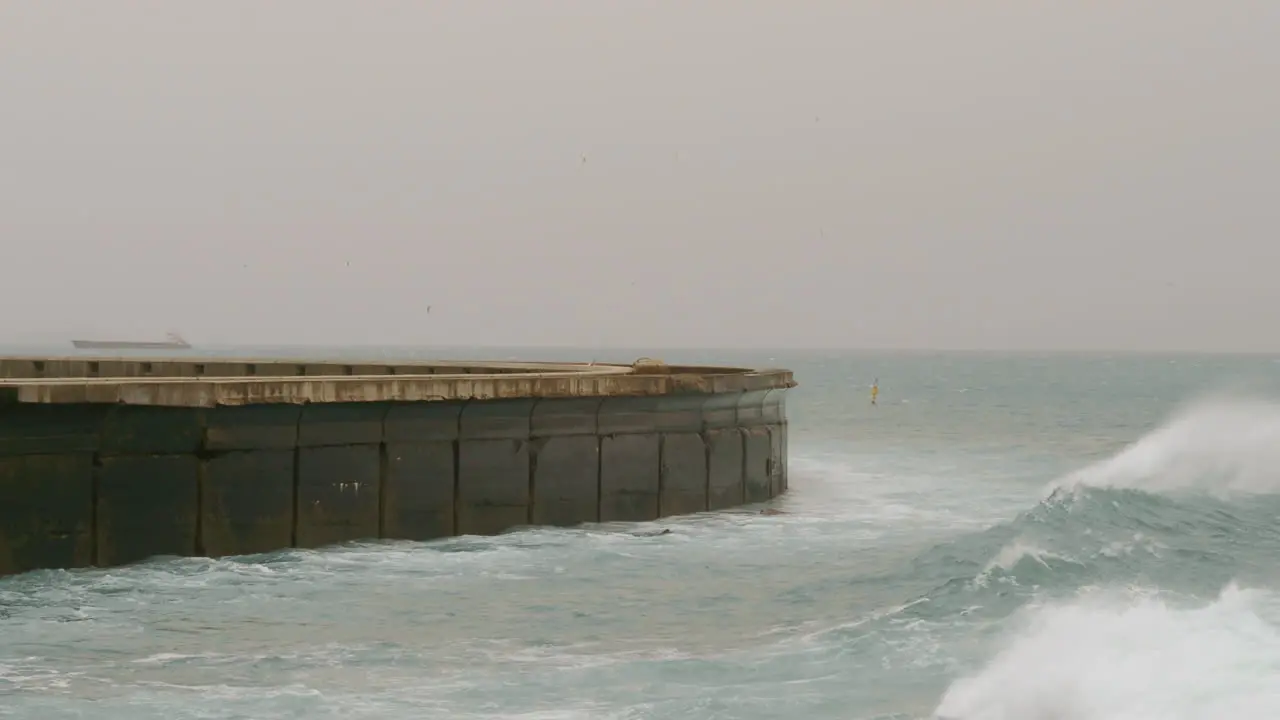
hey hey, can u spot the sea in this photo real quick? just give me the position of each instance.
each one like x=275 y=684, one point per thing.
x=1000 y=537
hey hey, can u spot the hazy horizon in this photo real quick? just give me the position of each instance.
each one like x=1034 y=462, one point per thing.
x=616 y=353
x=828 y=175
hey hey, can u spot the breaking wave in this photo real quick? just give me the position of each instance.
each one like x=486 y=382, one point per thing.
x=1140 y=587
x=1220 y=446
x=1124 y=655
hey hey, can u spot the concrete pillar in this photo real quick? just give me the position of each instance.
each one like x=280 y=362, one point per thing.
x=630 y=477
x=775 y=419
x=148 y=484
x=565 y=461
x=46 y=512
x=46 y=485
x=684 y=474
x=339 y=472
x=649 y=458
x=247 y=497
x=493 y=466
x=726 y=485
x=148 y=505
x=757 y=447
x=420 y=468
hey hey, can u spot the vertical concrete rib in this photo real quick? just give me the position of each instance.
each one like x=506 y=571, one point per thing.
x=382 y=487
x=200 y=490
x=95 y=484
x=725 y=461
x=297 y=481
x=534 y=451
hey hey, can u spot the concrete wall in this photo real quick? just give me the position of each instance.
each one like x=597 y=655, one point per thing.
x=96 y=484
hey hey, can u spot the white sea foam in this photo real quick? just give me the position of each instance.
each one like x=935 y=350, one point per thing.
x=1014 y=553
x=883 y=497
x=1221 y=446
x=1110 y=658
x=1126 y=548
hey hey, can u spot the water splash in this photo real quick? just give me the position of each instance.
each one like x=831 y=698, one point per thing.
x=1104 y=657
x=1218 y=446
x=1015 y=553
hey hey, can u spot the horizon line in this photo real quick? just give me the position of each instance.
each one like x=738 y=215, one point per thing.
x=875 y=350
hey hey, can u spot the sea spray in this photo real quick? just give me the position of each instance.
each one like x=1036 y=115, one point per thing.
x=1219 y=446
x=1107 y=656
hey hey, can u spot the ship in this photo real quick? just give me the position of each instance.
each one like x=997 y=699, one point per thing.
x=173 y=341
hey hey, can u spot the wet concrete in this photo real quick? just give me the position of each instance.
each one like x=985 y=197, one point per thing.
x=84 y=483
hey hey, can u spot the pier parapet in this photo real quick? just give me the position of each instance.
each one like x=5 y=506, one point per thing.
x=106 y=461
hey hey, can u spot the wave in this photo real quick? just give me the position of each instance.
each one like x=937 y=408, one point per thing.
x=1017 y=554
x=1223 y=446
x=1119 y=657
x=1099 y=536
x=1186 y=508
x=1096 y=585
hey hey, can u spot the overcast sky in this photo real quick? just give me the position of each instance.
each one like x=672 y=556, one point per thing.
x=815 y=173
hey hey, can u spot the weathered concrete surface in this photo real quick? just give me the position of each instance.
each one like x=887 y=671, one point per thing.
x=493 y=466
x=84 y=382
x=684 y=474
x=631 y=470
x=419 y=464
x=566 y=462
x=146 y=505
x=247 y=502
x=105 y=462
x=46 y=511
x=630 y=478
x=339 y=483
x=338 y=491
x=726 y=462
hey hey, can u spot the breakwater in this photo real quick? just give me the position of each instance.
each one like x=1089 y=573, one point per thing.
x=109 y=461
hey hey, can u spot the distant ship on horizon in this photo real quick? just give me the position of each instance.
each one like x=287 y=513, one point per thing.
x=174 y=341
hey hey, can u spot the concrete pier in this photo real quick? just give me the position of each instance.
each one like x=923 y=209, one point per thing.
x=107 y=461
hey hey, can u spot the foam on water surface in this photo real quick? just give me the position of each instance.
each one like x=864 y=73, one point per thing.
x=1026 y=549
x=1138 y=658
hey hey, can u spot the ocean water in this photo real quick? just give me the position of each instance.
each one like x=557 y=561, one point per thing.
x=1001 y=538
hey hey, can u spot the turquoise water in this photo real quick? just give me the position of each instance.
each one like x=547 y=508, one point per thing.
x=1001 y=538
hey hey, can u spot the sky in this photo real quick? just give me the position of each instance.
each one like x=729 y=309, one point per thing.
x=726 y=173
